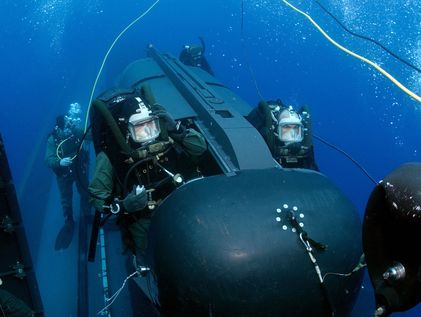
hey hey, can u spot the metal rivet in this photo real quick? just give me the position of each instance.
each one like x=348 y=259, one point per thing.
x=301 y=224
x=284 y=227
x=278 y=210
x=295 y=208
x=301 y=216
x=294 y=230
x=285 y=206
x=278 y=219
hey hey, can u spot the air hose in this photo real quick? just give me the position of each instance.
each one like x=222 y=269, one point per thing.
x=348 y=156
x=103 y=110
x=108 y=53
x=59 y=147
x=147 y=94
x=99 y=74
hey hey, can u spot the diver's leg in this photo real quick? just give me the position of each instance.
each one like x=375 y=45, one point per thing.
x=65 y=186
x=139 y=233
x=145 y=279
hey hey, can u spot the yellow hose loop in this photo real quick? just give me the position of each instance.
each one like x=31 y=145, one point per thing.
x=381 y=70
x=59 y=146
x=108 y=53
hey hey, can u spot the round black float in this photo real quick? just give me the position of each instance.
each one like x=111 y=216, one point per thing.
x=391 y=232
x=226 y=246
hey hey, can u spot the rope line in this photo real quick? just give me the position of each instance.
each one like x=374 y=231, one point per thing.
x=362 y=58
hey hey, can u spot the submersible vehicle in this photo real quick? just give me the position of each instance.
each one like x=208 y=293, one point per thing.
x=248 y=238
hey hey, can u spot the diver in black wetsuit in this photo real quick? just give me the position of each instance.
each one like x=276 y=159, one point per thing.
x=138 y=181
x=287 y=133
x=194 y=55
x=70 y=165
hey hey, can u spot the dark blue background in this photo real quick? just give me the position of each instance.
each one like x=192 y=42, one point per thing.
x=52 y=50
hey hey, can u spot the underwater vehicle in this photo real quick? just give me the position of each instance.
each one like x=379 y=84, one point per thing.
x=250 y=238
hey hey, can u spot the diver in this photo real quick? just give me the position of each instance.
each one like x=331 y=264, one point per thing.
x=164 y=154
x=70 y=166
x=194 y=55
x=286 y=132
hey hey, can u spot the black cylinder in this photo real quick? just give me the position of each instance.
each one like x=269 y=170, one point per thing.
x=391 y=231
x=226 y=246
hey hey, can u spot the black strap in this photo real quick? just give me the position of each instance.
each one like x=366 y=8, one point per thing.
x=94 y=236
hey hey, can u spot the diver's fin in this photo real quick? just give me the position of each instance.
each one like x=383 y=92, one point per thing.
x=65 y=236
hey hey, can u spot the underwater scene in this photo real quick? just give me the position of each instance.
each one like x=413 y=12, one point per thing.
x=216 y=158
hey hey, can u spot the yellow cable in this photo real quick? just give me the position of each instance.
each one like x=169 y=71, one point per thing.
x=59 y=146
x=381 y=70
x=99 y=74
x=108 y=53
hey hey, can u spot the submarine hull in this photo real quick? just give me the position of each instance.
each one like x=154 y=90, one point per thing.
x=226 y=246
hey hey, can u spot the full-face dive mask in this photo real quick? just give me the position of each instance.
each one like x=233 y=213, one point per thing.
x=290 y=127
x=143 y=126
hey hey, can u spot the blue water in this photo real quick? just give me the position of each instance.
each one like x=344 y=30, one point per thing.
x=52 y=50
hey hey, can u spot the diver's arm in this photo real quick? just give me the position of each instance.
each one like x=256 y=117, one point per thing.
x=306 y=117
x=51 y=158
x=308 y=137
x=194 y=143
x=101 y=186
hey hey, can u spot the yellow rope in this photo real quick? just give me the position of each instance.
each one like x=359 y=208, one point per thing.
x=381 y=70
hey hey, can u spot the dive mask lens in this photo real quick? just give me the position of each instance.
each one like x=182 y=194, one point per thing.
x=290 y=132
x=143 y=131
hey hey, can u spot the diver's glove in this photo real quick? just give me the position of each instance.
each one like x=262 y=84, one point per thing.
x=175 y=129
x=67 y=161
x=165 y=117
x=136 y=200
